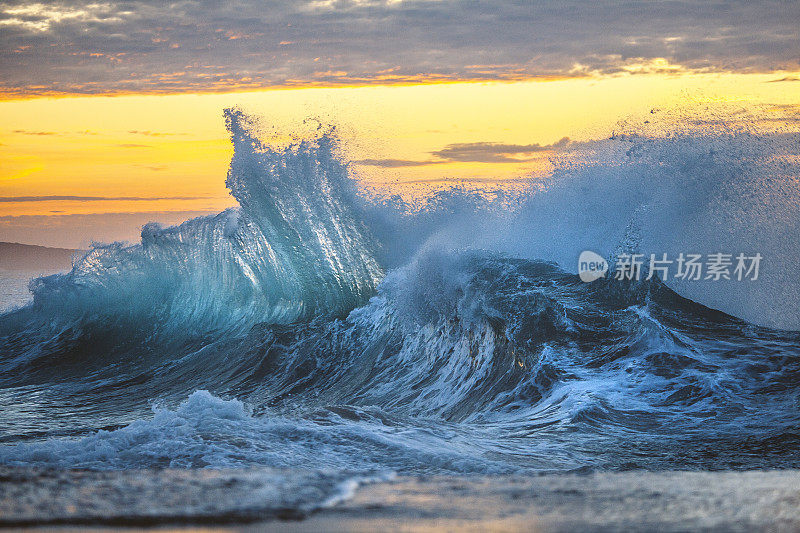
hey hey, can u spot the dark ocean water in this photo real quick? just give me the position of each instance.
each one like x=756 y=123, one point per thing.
x=314 y=330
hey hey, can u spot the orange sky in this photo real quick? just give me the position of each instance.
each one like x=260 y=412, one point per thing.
x=169 y=154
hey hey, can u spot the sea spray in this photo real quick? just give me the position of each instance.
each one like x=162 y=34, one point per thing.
x=370 y=337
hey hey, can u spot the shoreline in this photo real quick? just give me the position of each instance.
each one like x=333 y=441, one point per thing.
x=610 y=501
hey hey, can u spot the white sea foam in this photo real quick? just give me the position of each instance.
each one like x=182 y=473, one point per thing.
x=206 y=431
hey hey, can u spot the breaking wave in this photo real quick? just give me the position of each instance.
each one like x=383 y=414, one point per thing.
x=315 y=328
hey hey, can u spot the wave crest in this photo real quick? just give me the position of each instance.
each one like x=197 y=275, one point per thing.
x=296 y=247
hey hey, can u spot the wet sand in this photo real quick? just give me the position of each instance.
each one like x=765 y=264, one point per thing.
x=198 y=499
x=636 y=501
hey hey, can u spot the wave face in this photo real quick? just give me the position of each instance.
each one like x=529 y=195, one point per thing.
x=313 y=329
x=295 y=248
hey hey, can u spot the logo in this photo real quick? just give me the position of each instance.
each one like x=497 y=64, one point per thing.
x=591 y=266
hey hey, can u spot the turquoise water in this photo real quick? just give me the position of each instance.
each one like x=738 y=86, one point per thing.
x=318 y=331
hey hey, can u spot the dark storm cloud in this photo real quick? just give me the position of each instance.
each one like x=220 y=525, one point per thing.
x=152 y=46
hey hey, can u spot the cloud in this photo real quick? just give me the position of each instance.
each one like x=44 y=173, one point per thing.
x=7 y=199
x=39 y=17
x=47 y=133
x=487 y=152
x=39 y=133
x=785 y=78
x=134 y=145
x=396 y=163
x=80 y=46
x=478 y=152
x=149 y=133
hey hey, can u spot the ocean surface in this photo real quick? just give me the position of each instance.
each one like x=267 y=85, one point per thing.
x=335 y=337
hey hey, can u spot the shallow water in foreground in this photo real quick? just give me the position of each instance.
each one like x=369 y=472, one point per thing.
x=264 y=499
